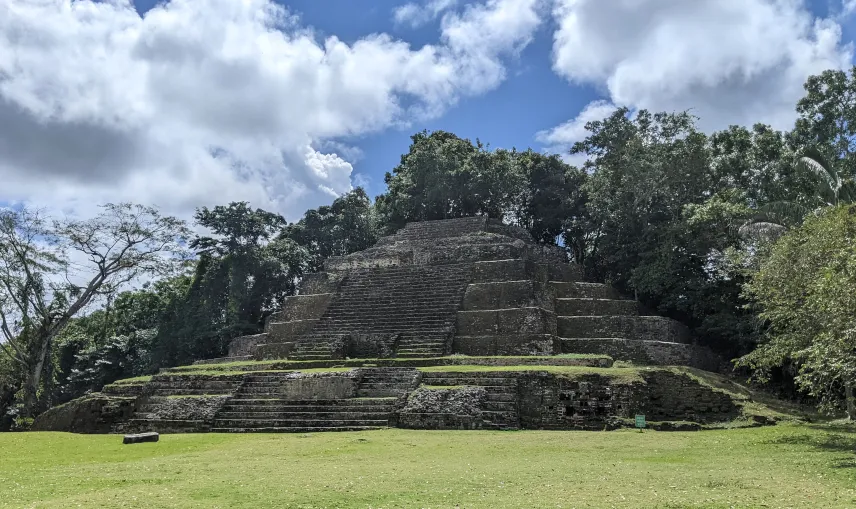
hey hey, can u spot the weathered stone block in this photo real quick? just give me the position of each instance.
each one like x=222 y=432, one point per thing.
x=596 y=307
x=284 y=332
x=531 y=320
x=501 y=295
x=303 y=307
x=658 y=353
x=95 y=413
x=139 y=438
x=579 y=290
x=494 y=344
x=501 y=270
x=268 y=351
x=319 y=282
x=649 y=328
x=246 y=345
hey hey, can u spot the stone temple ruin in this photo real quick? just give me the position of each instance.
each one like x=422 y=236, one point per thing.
x=452 y=324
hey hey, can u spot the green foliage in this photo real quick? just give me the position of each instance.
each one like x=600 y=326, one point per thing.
x=804 y=291
x=827 y=119
x=242 y=275
x=346 y=226
x=443 y=176
x=665 y=214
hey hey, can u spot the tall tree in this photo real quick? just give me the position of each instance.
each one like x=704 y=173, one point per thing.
x=804 y=292
x=245 y=269
x=50 y=272
x=827 y=119
x=346 y=226
x=443 y=176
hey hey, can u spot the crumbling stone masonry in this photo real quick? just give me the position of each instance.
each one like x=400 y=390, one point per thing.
x=398 y=318
x=470 y=286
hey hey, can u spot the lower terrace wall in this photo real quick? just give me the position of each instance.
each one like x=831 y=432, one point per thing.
x=549 y=401
x=96 y=413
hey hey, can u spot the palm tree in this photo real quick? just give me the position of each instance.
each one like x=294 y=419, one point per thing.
x=775 y=218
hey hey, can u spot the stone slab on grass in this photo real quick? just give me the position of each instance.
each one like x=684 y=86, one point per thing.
x=139 y=438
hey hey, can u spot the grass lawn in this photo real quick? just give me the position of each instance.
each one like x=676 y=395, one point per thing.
x=776 y=467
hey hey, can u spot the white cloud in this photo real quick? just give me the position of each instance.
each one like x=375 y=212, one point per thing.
x=848 y=7
x=730 y=61
x=416 y=15
x=201 y=102
x=561 y=138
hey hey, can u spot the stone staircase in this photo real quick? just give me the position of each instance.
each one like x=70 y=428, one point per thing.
x=594 y=318
x=387 y=382
x=260 y=406
x=500 y=409
x=410 y=310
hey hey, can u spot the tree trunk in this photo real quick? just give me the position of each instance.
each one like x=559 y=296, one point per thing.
x=34 y=378
x=850 y=399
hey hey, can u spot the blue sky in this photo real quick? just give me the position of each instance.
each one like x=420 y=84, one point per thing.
x=200 y=102
x=531 y=99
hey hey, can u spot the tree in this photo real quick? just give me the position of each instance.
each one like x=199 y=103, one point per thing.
x=50 y=272
x=348 y=225
x=827 y=119
x=244 y=271
x=804 y=292
x=443 y=176
x=663 y=219
x=830 y=189
x=551 y=197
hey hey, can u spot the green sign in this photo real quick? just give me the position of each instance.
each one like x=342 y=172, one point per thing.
x=640 y=421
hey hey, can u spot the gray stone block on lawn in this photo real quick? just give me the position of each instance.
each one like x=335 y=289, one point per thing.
x=139 y=438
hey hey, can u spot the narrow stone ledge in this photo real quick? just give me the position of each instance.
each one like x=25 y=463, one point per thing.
x=522 y=344
x=530 y=320
x=596 y=307
x=650 y=328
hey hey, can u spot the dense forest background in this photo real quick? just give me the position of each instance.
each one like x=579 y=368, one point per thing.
x=746 y=235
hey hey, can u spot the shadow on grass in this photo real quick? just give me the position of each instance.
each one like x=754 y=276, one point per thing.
x=835 y=438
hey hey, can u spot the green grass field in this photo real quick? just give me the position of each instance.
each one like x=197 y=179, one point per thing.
x=776 y=467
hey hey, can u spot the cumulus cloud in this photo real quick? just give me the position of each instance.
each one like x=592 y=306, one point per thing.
x=416 y=15
x=561 y=138
x=201 y=102
x=729 y=61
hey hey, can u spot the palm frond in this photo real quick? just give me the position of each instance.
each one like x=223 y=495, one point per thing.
x=813 y=162
x=785 y=213
x=762 y=231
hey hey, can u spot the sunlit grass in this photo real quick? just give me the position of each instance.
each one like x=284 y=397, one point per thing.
x=777 y=467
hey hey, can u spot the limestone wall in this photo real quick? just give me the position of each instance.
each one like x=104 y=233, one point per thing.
x=96 y=413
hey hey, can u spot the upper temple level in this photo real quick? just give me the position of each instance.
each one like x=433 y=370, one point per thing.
x=472 y=286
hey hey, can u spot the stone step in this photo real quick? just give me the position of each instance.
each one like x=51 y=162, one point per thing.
x=189 y=392
x=295 y=429
x=565 y=290
x=297 y=422
x=377 y=393
x=392 y=378
x=482 y=382
x=405 y=354
x=168 y=425
x=386 y=385
x=278 y=415
x=649 y=328
x=595 y=307
x=317 y=409
x=426 y=375
x=315 y=402
x=501 y=396
x=490 y=389
x=500 y=406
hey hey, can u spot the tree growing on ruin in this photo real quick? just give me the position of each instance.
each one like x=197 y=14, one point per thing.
x=51 y=270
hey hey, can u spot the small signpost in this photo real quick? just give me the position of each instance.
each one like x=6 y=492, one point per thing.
x=640 y=422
